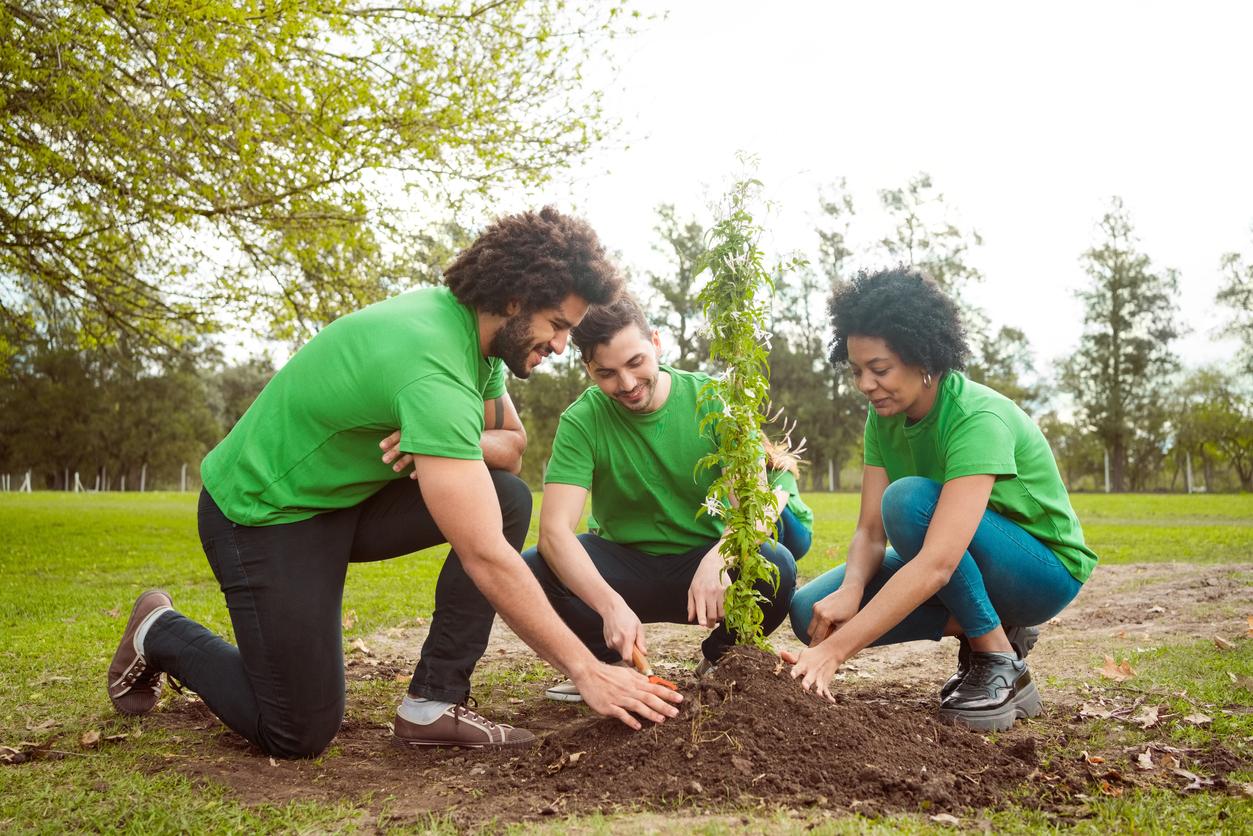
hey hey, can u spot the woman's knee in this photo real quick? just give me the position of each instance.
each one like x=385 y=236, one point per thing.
x=801 y=611
x=782 y=559
x=908 y=503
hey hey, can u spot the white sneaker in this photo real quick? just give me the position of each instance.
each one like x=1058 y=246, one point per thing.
x=569 y=692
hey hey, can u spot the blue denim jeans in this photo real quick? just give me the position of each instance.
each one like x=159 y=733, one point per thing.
x=793 y=536
x=1005 y=576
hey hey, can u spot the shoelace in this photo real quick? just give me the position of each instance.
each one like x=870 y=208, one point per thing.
x=463 y=710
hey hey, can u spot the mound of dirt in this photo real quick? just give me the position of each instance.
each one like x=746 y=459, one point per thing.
x=748 y=731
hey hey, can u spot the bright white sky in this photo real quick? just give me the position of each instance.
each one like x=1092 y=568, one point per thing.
x=1028 y=118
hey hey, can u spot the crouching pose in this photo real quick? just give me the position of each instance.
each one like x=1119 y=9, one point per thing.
x=633 y=441
x=962 y=483
x=296 y=492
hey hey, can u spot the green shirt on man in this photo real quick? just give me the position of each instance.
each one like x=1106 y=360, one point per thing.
x=972 y=430
x=310 y=441
x=639 y=467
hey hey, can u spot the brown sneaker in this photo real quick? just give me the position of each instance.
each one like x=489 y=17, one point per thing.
x=459 y=726
x=133 y=685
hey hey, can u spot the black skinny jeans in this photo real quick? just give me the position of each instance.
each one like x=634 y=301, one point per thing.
x=655 y=588
x=283 y=686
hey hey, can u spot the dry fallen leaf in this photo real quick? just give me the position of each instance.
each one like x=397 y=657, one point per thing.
x=89 y=739
x=1121 y=634
x=1198 y=719
x=1247 y=789
x=1117 y=671
x=1242 y=681
x=945 y=818
x=349 y=619
x=1196 y=782
x=1169 y=761
x=273 y=762
x=574 y=756
x=44 y=726
x=1145 y=760
x=1148 y=717
x=1250 y=633
x=1109 y=789
x=1156 y=610
x=113 y=613
x=359 y=645
x=1094 y=711
x=1222 y=644
x=1094 y=759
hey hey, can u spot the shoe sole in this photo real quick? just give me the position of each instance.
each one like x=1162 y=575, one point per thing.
x=1026 y=704
x=562 y=696
x=131 y=623
x=420 y=744
x=1019 y=637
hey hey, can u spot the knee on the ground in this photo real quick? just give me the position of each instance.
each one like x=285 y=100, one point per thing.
x=305 y=741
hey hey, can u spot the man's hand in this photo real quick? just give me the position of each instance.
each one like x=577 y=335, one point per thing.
x=706 y=597
x=832 y=612
x=814 y=667
x=623 y=631
x=392 y=455
x=614 y=691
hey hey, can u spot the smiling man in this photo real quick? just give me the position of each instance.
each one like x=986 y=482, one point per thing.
x=296 y=492
x=633 y=442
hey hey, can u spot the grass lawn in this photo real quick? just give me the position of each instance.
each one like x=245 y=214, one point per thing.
x=71 y=564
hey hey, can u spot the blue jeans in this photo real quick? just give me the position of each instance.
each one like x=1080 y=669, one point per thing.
x=1005 y=576
x=655 y=588
x=793 y=536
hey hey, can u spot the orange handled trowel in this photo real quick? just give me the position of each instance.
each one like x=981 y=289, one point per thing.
x=641 y=664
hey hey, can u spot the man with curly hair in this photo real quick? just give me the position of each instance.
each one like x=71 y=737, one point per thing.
x=297 y=491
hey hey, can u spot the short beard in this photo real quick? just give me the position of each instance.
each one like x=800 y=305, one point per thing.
x=513 y=344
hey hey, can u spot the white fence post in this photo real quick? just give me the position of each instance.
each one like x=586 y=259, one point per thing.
x=182 y=479
x=25 y=484
x=1188 y=470
x=1107 y=470
x=143 y=478
x=78 y=483
x=123 y=486
x=96 y=486
x=4 y=483
x=831 y=474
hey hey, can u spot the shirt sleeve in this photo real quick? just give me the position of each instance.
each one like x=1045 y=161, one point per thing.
x=496 y=383
x=440 y=416
x=573 y=460
x=870 y=441
x=981 y=444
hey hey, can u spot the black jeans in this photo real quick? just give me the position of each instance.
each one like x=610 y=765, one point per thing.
x=283 y=686
x=655 y=588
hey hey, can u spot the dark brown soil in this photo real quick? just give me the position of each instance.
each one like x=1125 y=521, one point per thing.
x=749 y=731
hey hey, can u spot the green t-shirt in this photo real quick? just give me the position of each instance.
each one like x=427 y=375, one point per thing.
x=640 y=468
x=785 y=480
x=310 y=441
x=972 y=430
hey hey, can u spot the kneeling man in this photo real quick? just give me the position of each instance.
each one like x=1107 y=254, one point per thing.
x=633 y=441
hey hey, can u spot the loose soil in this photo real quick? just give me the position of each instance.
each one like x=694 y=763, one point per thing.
x=747 y=737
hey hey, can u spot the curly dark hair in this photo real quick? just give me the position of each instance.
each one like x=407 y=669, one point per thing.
x=907 y=311
x=603 y=322
x=536 y=259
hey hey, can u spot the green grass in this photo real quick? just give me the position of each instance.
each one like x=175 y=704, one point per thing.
x=70 y=566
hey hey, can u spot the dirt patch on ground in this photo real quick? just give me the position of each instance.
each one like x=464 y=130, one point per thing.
x=747 y=736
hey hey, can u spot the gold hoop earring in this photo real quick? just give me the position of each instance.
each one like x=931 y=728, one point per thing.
x=926 y=379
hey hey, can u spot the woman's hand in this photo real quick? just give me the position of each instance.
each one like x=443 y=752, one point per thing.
x=814 y=667
x=706 y=596
x=832 y=612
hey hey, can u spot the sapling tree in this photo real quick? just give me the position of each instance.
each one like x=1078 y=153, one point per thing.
x=736 y=305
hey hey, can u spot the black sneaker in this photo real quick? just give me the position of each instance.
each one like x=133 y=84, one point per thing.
x=1021 y=638
x=996 y=691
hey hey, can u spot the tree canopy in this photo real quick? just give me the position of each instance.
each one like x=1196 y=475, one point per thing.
x=166 y=166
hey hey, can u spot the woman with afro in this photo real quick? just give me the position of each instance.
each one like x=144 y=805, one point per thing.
x=961 y=482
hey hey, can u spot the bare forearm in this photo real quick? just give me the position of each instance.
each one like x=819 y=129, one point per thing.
x=566 y=556
x=513 y=591
x=913 y=584
x=503 y=449
x=865 y=557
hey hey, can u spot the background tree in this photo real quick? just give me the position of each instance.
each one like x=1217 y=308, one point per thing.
x=1080 y=456
x=1003 y=361
x=540 y=400
x=162 y=164
x=1124 y=361
x=675 y=309
x=1215 y=422
x=1236 y=293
